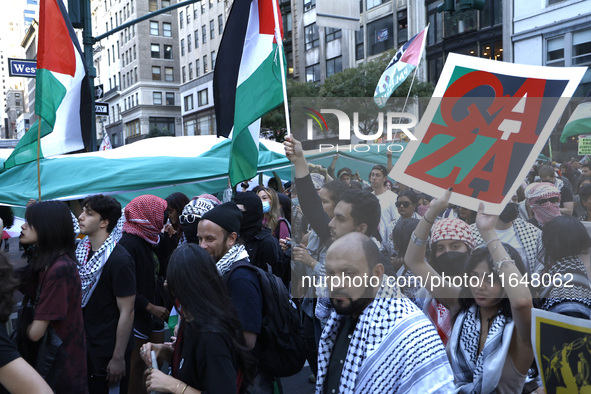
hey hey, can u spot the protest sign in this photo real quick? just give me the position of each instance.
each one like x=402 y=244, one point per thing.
x=562 y=349
x=484 y=128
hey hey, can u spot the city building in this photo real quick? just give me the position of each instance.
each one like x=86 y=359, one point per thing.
x=13 y=109
x=201 y=26
x=139 y=70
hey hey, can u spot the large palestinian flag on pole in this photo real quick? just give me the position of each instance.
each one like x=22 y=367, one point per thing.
x=62 y=92
x=247 y=80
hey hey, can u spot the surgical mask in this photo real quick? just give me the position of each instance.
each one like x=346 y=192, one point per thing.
x=510 y=213
x=266 y=206
x=422 y=209
x=451 y=263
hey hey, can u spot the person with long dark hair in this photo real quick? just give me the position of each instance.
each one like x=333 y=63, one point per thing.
x=210 y=353
x=16 y=375
x=56 y=287
x=485 y=312
x=564 y=240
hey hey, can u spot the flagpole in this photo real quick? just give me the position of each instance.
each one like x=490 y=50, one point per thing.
x=281 y=52
x=38 y=158
x=409 y=89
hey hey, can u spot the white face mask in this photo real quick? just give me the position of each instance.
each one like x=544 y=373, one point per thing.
x=266 y=206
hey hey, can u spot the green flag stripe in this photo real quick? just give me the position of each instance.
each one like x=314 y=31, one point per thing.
x=244 y=158
x=258 y=94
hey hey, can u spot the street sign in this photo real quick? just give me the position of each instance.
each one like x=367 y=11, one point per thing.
x=101 y=109
x=22 y=68
x=99 y=92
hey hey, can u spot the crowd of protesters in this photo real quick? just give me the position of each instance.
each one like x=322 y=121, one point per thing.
x=103 y=284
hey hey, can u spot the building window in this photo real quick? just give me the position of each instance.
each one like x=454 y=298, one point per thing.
x=402 y=27
x=374 y=3
x=156 y=73
x=195 y=12
x=155 y=50
x=205 y=67
x=168 y=52
x=189 y=43
x=581 y=47
x=202 y=97
x=309 y=4
x=313 y=73
x=379 y=35
x=182 y=47
x=190 y=127
x=163 y=125
x=153 y=5
x=132 y=128
x=196 y=38
x=184 y=74
x=204 y=34
x=435 y=34
x=333 y=34
x=168 y=74
x=311 y=37
x=211 y=30
x=220 y=24
x=287 y=23
x=459 y=22
x=169 y=98
x=197 y=67
x=190 y=71
x=359 y=44
x=166 y=29
x=157 y=98
x=188 y=102
x=154 y=31
x=212 y=60
x=334 y=65
x=165 y=3
x=555 y=52
x=188 y=15
x=134 y=53
x=181 y=19
x=210 y=4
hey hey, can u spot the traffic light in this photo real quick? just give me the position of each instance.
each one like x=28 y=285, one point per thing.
x=75 y=12
x=472 y=4
x=447 y=5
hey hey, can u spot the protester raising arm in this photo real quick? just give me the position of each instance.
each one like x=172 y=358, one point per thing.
x=415 y=260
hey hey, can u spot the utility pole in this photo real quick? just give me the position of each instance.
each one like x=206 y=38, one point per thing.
x=89 y=41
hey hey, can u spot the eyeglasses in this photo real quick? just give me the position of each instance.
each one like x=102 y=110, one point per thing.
x=403 y=204
x=188 y=219
x=552 y=200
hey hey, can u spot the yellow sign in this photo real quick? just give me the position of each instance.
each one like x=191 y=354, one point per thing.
x=584 y=145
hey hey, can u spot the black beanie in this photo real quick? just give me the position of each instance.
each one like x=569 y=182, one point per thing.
x=227 y=216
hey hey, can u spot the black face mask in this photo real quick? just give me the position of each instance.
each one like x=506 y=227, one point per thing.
x=451 y=263
x=190 y=231
x=510 y=213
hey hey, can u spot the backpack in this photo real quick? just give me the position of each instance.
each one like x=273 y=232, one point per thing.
x=281 y=340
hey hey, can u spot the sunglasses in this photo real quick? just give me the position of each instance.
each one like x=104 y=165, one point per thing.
x=403 y=204
x=188 y=219
x=552 y=200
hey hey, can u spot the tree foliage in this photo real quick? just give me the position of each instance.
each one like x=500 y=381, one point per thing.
x=359 y=81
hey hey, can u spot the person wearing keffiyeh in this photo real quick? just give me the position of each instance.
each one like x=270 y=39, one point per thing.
x=107 y=274
x=376 y=340
x=144 y=220
x=544 y=201
x=488 y=316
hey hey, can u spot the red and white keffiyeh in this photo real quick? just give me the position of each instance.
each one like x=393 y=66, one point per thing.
x=144 y=217
x=537 y=195
x=452 y=228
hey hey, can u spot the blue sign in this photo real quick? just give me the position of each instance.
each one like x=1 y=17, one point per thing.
x=22 y=68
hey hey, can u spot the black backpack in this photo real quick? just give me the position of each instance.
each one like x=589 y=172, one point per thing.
x=281 y=340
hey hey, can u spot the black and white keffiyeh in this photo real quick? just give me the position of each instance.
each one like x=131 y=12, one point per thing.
x=394 y=349
x=236 y=252
x=473 y=372
x=90 y=270
x=573 y=295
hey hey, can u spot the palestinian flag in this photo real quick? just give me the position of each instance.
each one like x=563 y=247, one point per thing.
x=247 y=81
x=62 y=92
x=405 y=60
